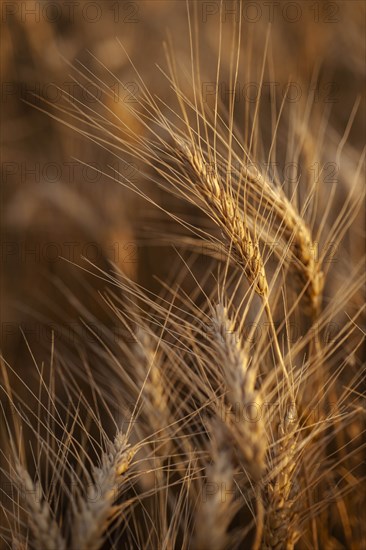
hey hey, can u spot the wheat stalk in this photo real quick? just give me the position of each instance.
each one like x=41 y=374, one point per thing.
x=45 y=530
x=96 y=511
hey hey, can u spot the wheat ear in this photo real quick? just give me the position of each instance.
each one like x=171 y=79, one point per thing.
x=97 y=509
x=280 y=528
x=227 y=214
x=45 y=530
x=233 y=224
x=154 y=394
x=297 y=234
x=307 y=269
x=218 y=505
x=244 y=398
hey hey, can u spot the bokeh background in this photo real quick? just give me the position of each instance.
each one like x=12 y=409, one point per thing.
x=56 y=211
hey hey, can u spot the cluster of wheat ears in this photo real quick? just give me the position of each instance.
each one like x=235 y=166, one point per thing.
x=227 y=416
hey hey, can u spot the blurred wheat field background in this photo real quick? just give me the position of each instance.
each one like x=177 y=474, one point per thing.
x=183 y=282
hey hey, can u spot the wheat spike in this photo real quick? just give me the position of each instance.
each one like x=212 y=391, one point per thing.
x=45 y=530
x=149 y=369
x=218 y=505
x=280 y=528
x=249 y=428
x=301 y=249
x=97 y=509
x=232 y=222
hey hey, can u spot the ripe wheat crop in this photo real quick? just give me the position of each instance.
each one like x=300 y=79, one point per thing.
x=225 y=415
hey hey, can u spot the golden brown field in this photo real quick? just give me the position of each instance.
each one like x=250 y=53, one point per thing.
x=183 y=275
